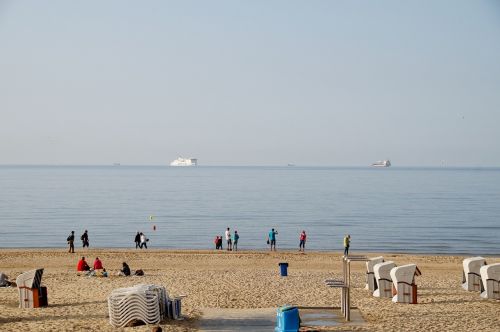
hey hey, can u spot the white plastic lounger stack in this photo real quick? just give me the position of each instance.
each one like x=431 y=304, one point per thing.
x=146 y=303
x=371 y=284
x=382 y=273
x=471 y=280
x=490 y=275
x=403 y=278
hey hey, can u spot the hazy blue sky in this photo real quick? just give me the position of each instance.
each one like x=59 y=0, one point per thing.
x=250 y=82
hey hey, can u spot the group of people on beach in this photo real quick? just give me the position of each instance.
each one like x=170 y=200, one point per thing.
x=141 y=240
x=231 y=240
x=71 y=240
x=98 y=269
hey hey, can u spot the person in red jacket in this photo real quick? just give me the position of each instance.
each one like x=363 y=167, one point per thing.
x=97 y=264
x=82 y=265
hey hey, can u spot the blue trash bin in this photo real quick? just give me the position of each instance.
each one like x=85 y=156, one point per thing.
x=283 y=269
x=287 y=319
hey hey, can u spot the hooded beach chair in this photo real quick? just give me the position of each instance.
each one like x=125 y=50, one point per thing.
x=371 y=284
x=382 y=273
x=31 y=292
x=490 y=276
x=471 y=279
x=403 y=279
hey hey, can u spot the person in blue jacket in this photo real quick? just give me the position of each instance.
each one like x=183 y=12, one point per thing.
x=272 y=239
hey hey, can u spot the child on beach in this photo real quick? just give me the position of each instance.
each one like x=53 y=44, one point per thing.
x=235 y=240
x=302 y=243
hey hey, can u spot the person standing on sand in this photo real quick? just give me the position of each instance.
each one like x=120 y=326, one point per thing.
x=143 y=241
x=235 y=240
x=71 y=242
x=137 y=240
x=347 y=243
x=271 y=239
x=302 y=243
x=229 y=241
x=85 y=239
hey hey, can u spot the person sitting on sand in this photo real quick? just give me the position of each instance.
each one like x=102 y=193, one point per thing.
x=97 y=264
x=125 y=271
x=82 y=265
x=4 y=280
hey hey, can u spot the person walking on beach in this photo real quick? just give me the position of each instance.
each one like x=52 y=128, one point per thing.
x=71 y=242
x=271 y=239
x=137 y=240
x=143 y=241
x=229 y=241
x=235 y=240
x=347 y=243
x=302 y=243
x=85 y=239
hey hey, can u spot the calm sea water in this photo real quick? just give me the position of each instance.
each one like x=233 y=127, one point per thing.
x=394 y=209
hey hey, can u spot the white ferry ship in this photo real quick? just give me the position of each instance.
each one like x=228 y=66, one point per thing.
x=184 y=162
x=382 y=163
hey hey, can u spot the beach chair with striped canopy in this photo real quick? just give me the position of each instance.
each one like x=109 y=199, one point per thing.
x=31 y=292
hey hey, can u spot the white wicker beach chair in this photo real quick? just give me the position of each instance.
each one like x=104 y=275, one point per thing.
x=490 y=275
x=471 y=280
x=383 y=278
x=371 y=284
x=403 y=278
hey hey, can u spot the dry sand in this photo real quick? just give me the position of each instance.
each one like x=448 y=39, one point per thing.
x=238 y=280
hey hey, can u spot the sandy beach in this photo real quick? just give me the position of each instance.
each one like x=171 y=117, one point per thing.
x=245 y=280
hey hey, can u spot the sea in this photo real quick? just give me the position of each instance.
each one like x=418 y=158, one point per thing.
x=395 y=209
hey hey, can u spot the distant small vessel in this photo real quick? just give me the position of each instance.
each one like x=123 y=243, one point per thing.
x=184 y=162
x=291 y=165
x=382 y=163
x=116 y=164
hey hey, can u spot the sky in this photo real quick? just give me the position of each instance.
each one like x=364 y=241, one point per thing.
x=313 y=83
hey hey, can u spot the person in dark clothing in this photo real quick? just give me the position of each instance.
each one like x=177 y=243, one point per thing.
x=125 y=270
x=137 y=240
x=85 y=239
x=71 y=242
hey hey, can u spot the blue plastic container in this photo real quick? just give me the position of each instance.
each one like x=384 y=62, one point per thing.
x=283 y=269
x=287 y=319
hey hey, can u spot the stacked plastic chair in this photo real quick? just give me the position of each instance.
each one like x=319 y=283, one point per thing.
x=146 y=303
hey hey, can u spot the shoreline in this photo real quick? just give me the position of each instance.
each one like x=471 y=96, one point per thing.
x=242 y=251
